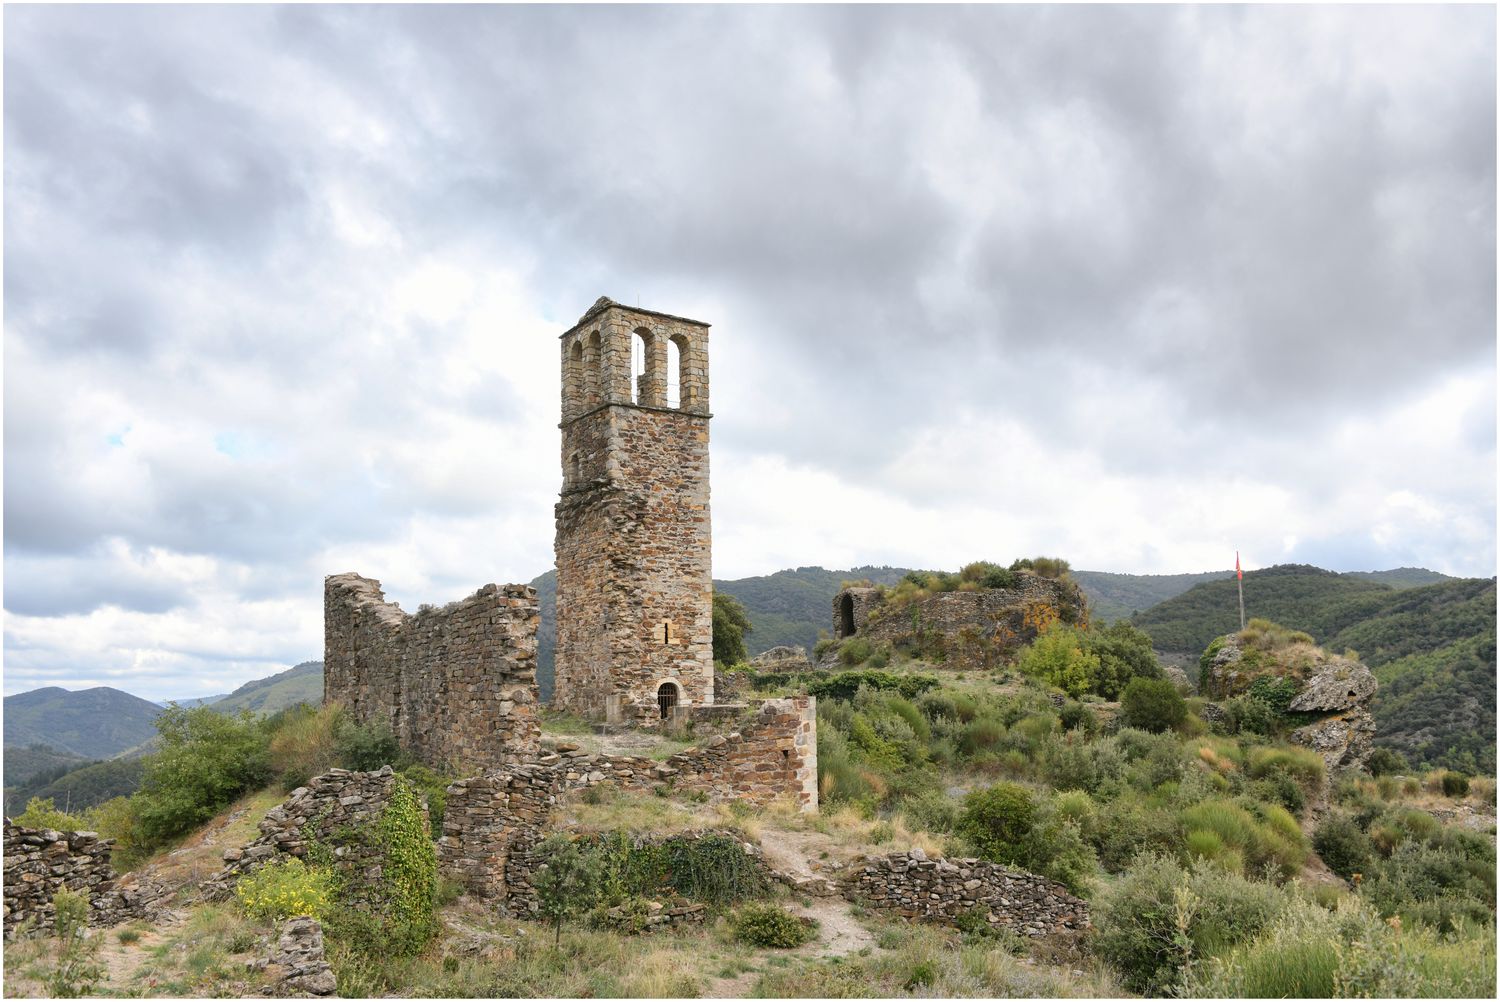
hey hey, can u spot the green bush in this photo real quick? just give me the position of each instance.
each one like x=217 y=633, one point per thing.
x=1074 y=716
x=1386 y=762
x=1455 y=784
x=1301 y=764
x=43 y=813
x=770 y=926
x=409 y=874
x=1152 y=705
x=997 y=821
x=568 y=882
x=1124 y=653
x=204 y=760
x=286 y=887
x=1160 y=917
x=368 y=747
x=731 y=623
x=1060 y=658
x=1274 y=839
x=856 y=651
x=1341 y=844
x=1441 y=886
x=845 y=684
x=119 y=820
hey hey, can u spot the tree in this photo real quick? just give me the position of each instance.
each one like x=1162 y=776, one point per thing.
x=731 y=623
x=206 y=759
x=568 y=882
x=1152 y=705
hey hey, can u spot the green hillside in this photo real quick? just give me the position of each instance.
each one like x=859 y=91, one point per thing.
x=1402 y=577
x=1431 y=646
x=95 y=723
x=300 y=684
x=22 y=764
x=82 y=787
x=1118 y=596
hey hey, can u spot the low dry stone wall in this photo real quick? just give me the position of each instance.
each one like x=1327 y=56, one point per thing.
x=456 y=685
x=334 y=809
x=943 y=890
x=40 y=861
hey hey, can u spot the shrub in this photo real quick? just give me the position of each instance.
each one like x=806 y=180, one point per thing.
x=43 y=813
x=75 y=967
x=1455 y=784
x=1074 y=716
x=1059 y=657
x=1160 y=917
x=997 y=820
x=409 y=873
x=856 y=651
x=304 y=742
x=932 y=811
x=367 y=747
x=1273 y=839
x=1302 y=764
x=1438 y=886
x=1124 y=653
x=568 y=881
x=1385 y=762
x=286 y=887
x=730 y=624
x=205 y=760
x=118 y=819
x=770 y=926
x=1341 y=844
x=1152 y=705
x=845 y=684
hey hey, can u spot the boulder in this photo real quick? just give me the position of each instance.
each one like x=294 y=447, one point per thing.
x=1337 y=685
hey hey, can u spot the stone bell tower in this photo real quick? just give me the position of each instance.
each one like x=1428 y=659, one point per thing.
x=634 y=581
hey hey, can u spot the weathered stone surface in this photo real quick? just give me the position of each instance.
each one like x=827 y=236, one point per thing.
x=941 y=890
x=1338 y=685
x=1345 y=740
x=634 y=590
x=298 y=967
x=457 y=685
x=41 y=861
x=1178 y=678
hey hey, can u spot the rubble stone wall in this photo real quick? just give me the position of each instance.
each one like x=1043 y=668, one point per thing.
x=332 y=809
x=943 y=890
x=492 y=822
x=456 y=685
x=41 y=861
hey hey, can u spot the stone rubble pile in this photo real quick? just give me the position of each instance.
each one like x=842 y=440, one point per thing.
x=943 y=890
x=40 y=861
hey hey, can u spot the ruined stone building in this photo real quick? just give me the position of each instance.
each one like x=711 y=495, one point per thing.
x=634 y=586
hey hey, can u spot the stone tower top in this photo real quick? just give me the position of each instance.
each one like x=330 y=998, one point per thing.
x=617 y=354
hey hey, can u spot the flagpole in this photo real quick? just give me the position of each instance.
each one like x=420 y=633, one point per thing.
x=1240 y=580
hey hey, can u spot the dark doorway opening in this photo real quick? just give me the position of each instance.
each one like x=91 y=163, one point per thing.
x=666 y=698
x=846 y=616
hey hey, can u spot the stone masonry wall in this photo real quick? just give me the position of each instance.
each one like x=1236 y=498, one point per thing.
x=491 y=822
x=634 y=583
x=40 y=861
x=334 y=809
x=970 y=626
x=456 y=685
x=943 y=890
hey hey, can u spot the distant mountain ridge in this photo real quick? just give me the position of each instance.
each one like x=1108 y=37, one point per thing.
x=94 y=723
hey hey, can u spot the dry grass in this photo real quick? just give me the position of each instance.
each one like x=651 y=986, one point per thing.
x=201 y=854
x=202 y=958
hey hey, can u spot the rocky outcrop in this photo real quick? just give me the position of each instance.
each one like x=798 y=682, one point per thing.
x=1332 y=698
x=41 y=861
x=944 y=890
x=1178 y=678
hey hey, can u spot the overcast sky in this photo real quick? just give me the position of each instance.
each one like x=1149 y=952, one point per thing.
x=1134 y=286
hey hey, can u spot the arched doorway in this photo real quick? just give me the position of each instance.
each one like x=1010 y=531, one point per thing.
x=666 y=698
x=846 y=616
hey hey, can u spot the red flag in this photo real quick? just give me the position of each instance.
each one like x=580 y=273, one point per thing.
x=1237 y=572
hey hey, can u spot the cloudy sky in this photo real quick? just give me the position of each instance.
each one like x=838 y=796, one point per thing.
x=1134 y=286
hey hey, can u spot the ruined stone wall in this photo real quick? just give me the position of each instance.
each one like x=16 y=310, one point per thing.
x=491 y=822
x=335 y=809
x=971 y=628
x=943 y=890
x=633 y=545
x=456 y=685
x=41 y=861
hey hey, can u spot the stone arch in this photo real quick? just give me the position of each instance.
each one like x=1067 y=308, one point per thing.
x=573 y=379
x=644 y=377
x=593 y=370
x=677 y=370
x=668 y=695
x=846 y=616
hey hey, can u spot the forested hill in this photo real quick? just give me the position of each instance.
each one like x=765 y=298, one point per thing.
x=1117 y=596
x=94 y=723
x=1432 y=647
